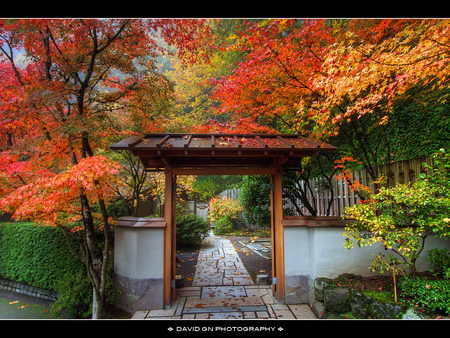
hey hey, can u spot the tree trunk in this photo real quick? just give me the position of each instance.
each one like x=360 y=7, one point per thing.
x=98 y=305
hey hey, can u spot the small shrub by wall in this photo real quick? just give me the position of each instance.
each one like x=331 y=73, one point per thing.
x=191 y=229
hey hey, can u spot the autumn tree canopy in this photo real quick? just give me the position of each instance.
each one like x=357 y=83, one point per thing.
x=56 y=113
x=345 y=81
x=84 y=83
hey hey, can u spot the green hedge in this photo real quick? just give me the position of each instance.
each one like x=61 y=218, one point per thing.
x=35 y=255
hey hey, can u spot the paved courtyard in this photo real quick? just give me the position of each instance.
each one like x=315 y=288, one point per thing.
x=223 y=289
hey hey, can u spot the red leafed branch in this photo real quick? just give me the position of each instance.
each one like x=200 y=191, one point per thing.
x=54 y=200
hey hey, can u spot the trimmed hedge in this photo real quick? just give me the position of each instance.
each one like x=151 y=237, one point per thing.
x=35 y=255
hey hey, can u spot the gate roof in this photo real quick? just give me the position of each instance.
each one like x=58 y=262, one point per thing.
x=220 y=154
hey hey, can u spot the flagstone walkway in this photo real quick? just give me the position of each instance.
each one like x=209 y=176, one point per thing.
x=219 y=264
x=223 y=289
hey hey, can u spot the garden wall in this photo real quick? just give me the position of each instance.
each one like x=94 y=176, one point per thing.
x=28 y=290
x=139 y=263
x=315 y=248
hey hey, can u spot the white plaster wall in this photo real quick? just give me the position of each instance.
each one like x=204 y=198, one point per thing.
x=320 y=252
x=139 y=252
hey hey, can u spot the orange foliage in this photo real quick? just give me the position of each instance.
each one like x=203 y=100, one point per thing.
x=54 y=200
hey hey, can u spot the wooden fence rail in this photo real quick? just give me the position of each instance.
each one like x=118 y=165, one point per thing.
x=320 y=194
x=339 y=195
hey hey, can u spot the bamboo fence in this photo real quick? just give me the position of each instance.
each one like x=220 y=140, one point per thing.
x=320 y=194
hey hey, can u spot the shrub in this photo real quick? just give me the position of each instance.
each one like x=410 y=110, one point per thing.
x=224 y=207
x=439 y=259
x=75 y=297
x=255 y=198
x=433 y=294
x=402 y=217
x=75 y=294
x=191 y=229
x=223 y=225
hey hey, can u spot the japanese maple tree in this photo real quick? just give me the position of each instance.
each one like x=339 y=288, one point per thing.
x=275 y=76
x=57 y=110
x=337 y=78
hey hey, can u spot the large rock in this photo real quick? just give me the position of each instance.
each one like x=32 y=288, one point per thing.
x=318 y=309
x=319 y=285
x=336 y=299
x=359 y=303
x=412 y=313
x=364 y=306
x=385 y=310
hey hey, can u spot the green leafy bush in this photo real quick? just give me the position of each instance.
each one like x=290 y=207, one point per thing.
x=75 y=294
x=402 y=217
x=432 y=294
x=223 y=225
x=255 y=198
x=39 y=256
x=191 y=229
x=75 y=297
x=439 y=259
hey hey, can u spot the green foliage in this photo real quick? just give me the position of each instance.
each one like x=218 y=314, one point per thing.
x=420 y=124
x=223 y=225
x=439 y=259
x=403 y=216
x=39 y=256
x=207 y=187
x=433 y=294
x=116 y=209
x=35 y=255
x=382 y=264
x=255 y=198
x=191 y=229
x=75 y=294
x=75 y=297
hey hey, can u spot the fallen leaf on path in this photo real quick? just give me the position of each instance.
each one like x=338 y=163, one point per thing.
x=14 y=302
x=23 y=306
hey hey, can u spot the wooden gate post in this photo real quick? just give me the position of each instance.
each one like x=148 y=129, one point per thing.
x=277 y=233
x=168 y=234
x=174 y=234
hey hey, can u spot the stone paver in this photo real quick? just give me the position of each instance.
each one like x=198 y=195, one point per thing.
x=223 y=292
x=219 y=264
x=223 y=289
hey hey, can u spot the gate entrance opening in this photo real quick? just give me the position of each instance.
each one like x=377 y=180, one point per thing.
x=222 y=154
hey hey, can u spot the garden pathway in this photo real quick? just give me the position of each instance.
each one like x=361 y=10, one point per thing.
x=219 y=264
x=223 y=289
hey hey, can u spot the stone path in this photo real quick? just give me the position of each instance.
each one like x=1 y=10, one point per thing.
x=219 y=264
x=223 y=289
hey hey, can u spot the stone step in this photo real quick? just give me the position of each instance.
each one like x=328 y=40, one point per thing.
x=222 y=309
x=194 y=302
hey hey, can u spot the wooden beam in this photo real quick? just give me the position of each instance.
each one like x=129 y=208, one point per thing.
x=159 y=145
x=312 y=221
x=223 y=171
x=188 y=141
